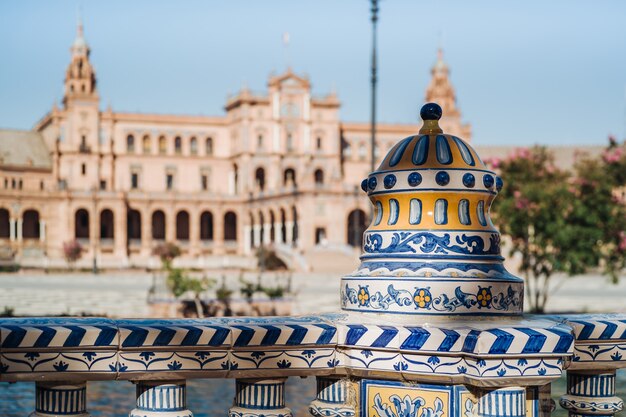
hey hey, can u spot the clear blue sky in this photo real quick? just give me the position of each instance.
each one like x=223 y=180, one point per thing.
x=551 y=72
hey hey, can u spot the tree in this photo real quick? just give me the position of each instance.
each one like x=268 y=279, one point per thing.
x=72 y=251
x=559 y=221
x=178 y=280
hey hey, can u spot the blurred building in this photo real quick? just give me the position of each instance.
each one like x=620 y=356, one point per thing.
x=277 y=168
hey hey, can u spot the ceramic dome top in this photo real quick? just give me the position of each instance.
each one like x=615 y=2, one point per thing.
x=431 y=247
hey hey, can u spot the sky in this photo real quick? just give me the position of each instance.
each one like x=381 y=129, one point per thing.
x=525 y=72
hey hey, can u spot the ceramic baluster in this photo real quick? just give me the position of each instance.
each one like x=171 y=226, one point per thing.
x=591 y=393
x=333 y=398
x=60 y=399
x=260 y=397
x=161 y=399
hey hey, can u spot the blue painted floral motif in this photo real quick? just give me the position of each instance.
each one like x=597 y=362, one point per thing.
x=428 y=242
x=422 y=298
x=407 y=407
x=60 y=366
x=283 y=364
x=363 y=296
x=308 y=353
x=443 y=302
x=401 y=366
x=484 y=297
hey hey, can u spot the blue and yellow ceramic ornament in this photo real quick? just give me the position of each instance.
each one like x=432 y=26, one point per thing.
x=431 y=248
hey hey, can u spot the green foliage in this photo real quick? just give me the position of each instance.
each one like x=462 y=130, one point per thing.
x=275 y=292
x=8 y=312
x=248 y=288
x=559 y=221
x=179 y=282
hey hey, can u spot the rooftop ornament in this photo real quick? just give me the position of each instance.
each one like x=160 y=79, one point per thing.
x=432 y=324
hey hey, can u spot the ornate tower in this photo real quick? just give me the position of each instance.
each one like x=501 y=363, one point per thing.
x=440 y=90
x=80 y=77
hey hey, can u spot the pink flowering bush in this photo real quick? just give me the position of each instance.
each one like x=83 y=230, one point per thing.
x=561 y=221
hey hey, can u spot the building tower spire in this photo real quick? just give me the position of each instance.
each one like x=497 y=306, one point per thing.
x=80 y=77
x=441 y=91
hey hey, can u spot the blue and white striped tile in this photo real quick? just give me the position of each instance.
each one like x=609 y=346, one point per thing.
x=64 y=332
x=167 y=333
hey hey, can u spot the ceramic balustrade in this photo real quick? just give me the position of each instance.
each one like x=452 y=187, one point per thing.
x=431 y=324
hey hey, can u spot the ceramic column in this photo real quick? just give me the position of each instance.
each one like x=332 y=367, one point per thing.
x=332 y=398
x=591 y=393
x=59 y=398
x=260 y=397
x=161 y=399
x=503 y=402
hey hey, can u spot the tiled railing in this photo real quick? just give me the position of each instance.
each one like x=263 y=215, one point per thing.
x=481 y=364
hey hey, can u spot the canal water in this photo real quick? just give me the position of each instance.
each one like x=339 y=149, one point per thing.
x=206 y=397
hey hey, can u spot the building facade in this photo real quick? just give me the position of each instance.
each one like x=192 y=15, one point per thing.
x=278 y=168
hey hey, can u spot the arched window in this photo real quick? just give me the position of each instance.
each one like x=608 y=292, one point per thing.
x=106 y=224
x=130 y=143
x=259 y=177
x=30 y=226
x=158 y=225
x=230 y=226
x=289 y=177
x=147 y=145
x=182 y=225
x=318 y=143
x=259 y=142
x=133 y=225
x=193 y=146
x=206 y=226
x=162 y=145
x=208 y=147
x=357 y=224
x=5 y=228
x=319 y=177
x=81 y=224
x=290 y=144
x=178 y=145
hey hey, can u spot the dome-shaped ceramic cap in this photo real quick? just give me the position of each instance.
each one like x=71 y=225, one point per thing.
x=431 y=196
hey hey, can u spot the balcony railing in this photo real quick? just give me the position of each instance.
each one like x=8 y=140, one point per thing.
x=62 y=354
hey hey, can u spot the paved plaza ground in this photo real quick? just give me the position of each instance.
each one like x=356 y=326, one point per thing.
x=125 y=294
